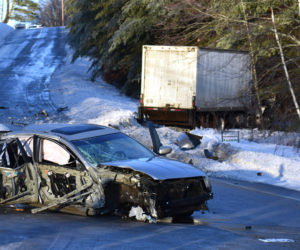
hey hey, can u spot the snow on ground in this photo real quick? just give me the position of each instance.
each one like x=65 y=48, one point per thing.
x=4 y=31
x=252 y=161
x=245 y=160
x=260 y=156
x=90 y=102
x=3 y=128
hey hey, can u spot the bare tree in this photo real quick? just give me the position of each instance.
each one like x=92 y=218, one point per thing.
x=2 y=10
x=10 y=6
x=284 y=65
x=6 y=12
x=51 y=13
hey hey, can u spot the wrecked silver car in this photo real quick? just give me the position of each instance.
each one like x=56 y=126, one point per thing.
x=89 y=169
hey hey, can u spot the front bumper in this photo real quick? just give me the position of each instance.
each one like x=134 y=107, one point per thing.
x=176 y=207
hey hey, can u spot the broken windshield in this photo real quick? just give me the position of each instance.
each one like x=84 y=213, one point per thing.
x=112 y=147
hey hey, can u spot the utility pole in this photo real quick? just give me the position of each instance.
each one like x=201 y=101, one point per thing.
x=62 y=13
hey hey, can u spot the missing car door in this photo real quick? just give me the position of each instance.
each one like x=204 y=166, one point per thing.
x=18 y=179
x=61 y=172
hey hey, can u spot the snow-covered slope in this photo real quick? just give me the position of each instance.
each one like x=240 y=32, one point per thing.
x=86 y=101
x=4 y=31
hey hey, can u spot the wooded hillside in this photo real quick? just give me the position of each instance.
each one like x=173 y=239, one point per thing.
x=112 y=32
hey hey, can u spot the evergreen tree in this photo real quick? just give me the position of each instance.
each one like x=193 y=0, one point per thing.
x=21 y=10
x=247 y=25
x=112 y=33
x=25 y=11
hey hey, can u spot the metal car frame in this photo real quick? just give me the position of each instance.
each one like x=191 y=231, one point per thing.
x=79 y=188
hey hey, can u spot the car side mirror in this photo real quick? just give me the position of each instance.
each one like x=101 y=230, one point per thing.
x=158 y=148
x=155 y=139
x=164 y=150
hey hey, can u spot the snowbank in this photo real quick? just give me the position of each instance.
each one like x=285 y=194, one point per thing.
x=88 y=102
x=245 y=160
x=4 y=31
x=3 y=127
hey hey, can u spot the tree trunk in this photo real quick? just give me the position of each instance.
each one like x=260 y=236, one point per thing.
x=6 y=17
x=9 y=10
x=254 y=73
x=63 y=14
x=2 y=11
x=284 y=64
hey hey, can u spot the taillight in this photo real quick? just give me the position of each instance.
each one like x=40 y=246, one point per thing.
x=151 y=108
x=194 y=102
x=141 y=99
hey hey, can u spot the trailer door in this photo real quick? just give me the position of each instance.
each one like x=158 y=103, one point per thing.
x=169 y=76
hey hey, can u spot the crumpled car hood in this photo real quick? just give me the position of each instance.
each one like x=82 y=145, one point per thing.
x=159 y=168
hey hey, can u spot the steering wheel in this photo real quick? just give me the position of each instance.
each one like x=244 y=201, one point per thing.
x=118 y=155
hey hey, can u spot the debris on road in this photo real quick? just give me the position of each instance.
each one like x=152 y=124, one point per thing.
x=61 y=109
x=19 y=124
x=187 y=140
x=42 y=112
x=210 y=155
x=140 y=215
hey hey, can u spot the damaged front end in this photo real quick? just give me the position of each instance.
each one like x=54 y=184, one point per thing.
x=136 y=194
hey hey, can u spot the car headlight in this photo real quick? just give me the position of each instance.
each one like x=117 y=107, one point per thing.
x=207 y=182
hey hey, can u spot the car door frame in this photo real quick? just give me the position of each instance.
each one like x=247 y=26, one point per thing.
x=83 y=179
x=25 y=173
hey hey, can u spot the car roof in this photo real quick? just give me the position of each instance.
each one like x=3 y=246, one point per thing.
x=67 y=131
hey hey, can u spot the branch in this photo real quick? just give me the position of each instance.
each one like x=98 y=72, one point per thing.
x=220 y=16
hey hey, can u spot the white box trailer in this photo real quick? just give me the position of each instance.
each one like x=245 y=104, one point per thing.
x=181 y=85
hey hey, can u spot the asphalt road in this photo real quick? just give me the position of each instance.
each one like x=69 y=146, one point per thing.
x=240 y=215
x=28 y=58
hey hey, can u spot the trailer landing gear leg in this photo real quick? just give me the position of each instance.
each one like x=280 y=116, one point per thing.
x=140 y=117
